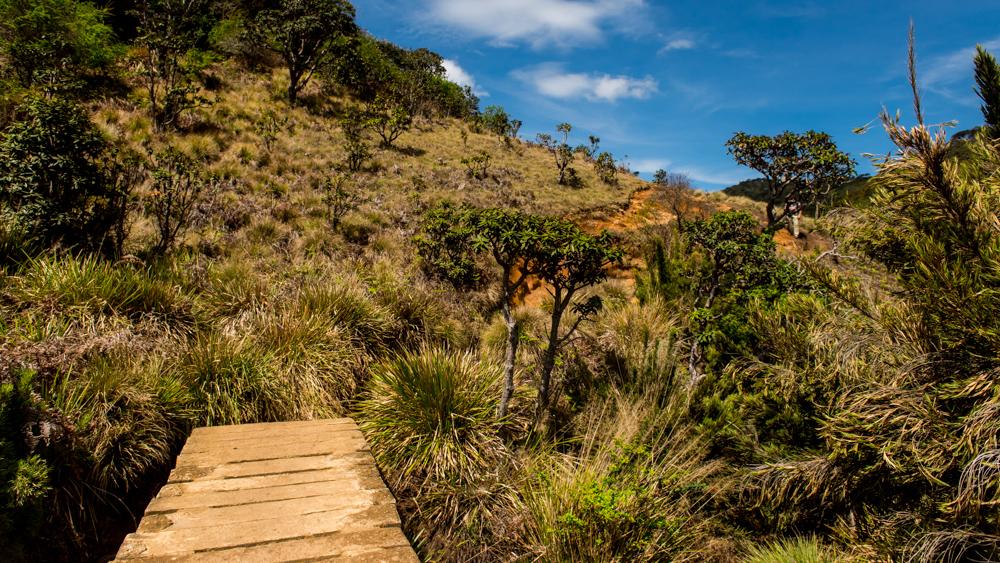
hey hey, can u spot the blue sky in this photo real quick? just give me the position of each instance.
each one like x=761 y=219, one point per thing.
x=668 y=83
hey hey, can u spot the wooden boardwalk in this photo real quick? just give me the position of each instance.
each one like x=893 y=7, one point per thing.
x=291 y=491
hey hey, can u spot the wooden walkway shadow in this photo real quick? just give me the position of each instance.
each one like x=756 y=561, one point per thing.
x=279 y=492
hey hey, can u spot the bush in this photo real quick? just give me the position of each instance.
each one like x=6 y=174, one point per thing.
x=57 y=176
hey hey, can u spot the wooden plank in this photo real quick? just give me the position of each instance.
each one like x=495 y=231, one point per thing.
x=272 y=492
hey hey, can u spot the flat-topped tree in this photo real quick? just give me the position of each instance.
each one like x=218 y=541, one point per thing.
x=303 y=33
x=569 y=260
x=450 y=238
x=804 y=165
x=562 y=152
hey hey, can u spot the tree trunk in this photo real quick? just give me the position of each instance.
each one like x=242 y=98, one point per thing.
x=550 y=357
x=513 y=338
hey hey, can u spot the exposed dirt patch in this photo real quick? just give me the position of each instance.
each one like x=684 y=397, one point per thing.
x=646 y=208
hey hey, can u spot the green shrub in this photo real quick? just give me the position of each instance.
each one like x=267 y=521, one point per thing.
x=57 y=176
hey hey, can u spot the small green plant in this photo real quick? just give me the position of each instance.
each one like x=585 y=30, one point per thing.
x=337 y=199
x=477 y=165
x=268 y=127
x=465 y=138
x=177 y=184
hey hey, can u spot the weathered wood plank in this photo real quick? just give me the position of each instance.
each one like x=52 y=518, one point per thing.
x=272 y=492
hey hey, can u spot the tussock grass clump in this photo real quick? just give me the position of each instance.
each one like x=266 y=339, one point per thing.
x=131 y=417
x=90 y=285
x=432 y=415
x=349 y=305
x=794 y=550
x=235 y=381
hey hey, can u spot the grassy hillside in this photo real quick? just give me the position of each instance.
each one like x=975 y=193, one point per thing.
x=687 y=387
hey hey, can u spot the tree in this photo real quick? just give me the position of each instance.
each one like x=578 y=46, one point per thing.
x=497 y=121
x=803 y=165
x=452 y=236
x=605 y=167
x=168 y=30
x=304 y=33
x=674 y=190
x=569 y=260
x=988 y=89
x=562 y=152
x=511 y=238
x=388 y=118
x=54 y=41
x=60 y=178
x=739 y=258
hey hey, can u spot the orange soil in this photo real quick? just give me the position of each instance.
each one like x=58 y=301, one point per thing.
x=644 y=210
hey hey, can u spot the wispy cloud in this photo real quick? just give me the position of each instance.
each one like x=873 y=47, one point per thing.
x=552 y=81
x=459 y=76
x=563 y=23
x=680 y=41
x=650 y=165
x=678 y=44
x=951 y=74
x=724 y=178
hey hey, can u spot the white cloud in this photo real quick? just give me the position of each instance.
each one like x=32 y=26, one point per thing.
x=720 y=178
x=649 y=165
x=458 y=75
x=678 y=45
x=550 y=80
x=953 y=69
x=537 y=22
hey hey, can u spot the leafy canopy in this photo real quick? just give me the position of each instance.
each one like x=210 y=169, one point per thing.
x=804 y=165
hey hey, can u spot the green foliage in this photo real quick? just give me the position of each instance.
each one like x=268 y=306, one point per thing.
x=304 y=33
x=54 y=43
x=60 y=180
x=804 y=165
x=606 y=170
x=177 y=184
x=388 y=119
x=621 y=510
x=432 y=414
x=478 y=165
x=988 y=89
x=740 y=263
x=168 y=32
x=24 y=474
x=445 y=244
